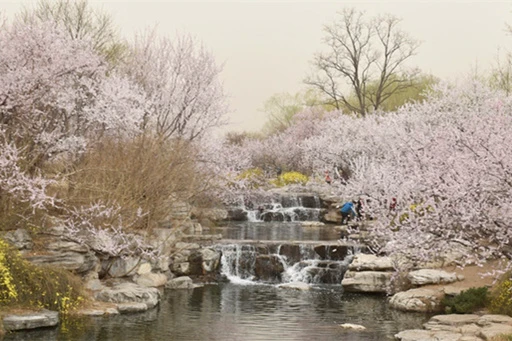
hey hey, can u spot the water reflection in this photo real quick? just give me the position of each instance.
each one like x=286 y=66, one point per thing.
x=252 y=312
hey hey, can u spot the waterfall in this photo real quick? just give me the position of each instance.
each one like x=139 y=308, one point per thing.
x=284 y=263
x=285 y=207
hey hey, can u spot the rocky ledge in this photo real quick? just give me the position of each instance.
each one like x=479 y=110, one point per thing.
x=469 y=327
x=32 y=320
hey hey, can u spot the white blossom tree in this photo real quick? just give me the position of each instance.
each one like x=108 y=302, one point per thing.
x=182 y=80
x=55 y=93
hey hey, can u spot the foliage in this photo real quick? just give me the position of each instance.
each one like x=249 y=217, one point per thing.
x=281 y=109
x=501 y=297
x=23 y=284
x=417 y=92
x=290 y=178
x=468 y=301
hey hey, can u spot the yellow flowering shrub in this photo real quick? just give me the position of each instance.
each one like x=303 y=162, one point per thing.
x=254 y=177
x=501 y=297
x=28 y=285
x=289 y=178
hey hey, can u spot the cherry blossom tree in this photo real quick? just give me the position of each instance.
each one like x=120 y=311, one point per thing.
x=55 y=93
x=446 y=161
x=185 y=95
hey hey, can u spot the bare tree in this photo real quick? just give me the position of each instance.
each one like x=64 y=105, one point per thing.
x=363 y=52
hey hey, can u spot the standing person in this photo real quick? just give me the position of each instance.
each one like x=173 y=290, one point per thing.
x=359 y=209
x=328 y=177
x=347 y=212
x=392 y=205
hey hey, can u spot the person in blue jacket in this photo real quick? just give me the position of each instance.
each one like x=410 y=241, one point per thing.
x=348 y=212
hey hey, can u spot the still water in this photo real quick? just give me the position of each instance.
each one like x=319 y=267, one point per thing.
x=229 y=312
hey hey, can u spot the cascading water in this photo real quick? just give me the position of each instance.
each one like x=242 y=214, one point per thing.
x=285 y=207
x=285 y=263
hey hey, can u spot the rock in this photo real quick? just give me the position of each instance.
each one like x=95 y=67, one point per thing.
x=366 y=281
x=66 y=246
x=452 y=320
x=469 y=327
x=236 y=214
x=494 y=329
x=20 y=239
x=351 y=326
x=365 y=262
x=296 y=286
x=129 y=293
x=312 y=223
x=45 y=318
x=214 y=214
x=211 y=260
x=183 y=282
x=126 y=308
x=420 y=299
x=431 y=276
x=73 y=261
x=91 y=312
x=151 y=280
x=144 y=268
x=181 y=269
x=268 y=268
x=425 y=335
x=489 y=319
x=121 y=267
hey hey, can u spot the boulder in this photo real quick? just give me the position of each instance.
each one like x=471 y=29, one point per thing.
x=121 y=266
x=460 y=327
x=151 y=279
x=369 y=262
x=494 y=329
x=420 y=299
x=236 y=214
x=132 y=307
x=78 y=262
x=183 y=282
x=67 y=246
x=427 y=335
x=20 y=239
x=268 y=268
x=211 y=260
x=130 y=293
x=431 y=276
x=366 y=281
x=44 y=318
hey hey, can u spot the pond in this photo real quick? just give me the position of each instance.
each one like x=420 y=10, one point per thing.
x=243 y=309
x=229 y=311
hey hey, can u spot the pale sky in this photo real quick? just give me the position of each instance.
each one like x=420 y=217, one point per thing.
x=267 y=46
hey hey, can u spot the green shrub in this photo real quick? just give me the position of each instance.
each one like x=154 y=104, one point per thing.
x=466 y=302
x=23 y=284
x=289 y=178
x=501 y=297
